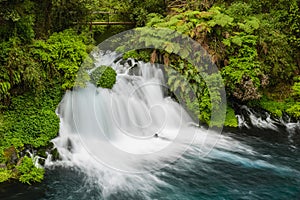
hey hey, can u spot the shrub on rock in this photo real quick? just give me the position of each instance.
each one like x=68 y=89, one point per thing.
x=104 y=76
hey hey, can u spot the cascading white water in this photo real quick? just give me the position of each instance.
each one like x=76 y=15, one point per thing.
x=264 y=121
x=118 y=126
x=109 y=134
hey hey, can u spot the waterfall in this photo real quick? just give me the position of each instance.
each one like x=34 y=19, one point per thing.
x=121 y=138
x=123 y=127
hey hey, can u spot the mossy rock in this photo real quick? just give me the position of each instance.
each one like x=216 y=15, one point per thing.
x=104 y=76
x=11 y=156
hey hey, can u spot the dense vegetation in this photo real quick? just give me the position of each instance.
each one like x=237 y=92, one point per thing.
x=104 y=76
x=256 y=49
x=255 y=45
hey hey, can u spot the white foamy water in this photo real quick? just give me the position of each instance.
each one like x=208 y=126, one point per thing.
x=110 y=134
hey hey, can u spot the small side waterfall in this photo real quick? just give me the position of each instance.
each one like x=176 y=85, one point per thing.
x=262 y=124
x=250 y=118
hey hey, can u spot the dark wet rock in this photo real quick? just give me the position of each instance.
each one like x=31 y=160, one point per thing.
x=42 y=153
x=41 y=161
x=134 y=70
x=69 y=145
x=55 y=154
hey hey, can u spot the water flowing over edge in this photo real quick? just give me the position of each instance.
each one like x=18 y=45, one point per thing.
x=97 y=124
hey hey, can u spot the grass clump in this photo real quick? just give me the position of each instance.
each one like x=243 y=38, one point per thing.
x=29 y=172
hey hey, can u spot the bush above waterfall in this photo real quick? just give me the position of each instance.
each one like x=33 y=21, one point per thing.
x=104 y=76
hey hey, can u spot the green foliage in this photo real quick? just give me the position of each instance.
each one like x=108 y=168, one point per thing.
x=275 y=52
x=31 y=66
x=62 y=54
x=233 y=40
x=190 y=88
x=104 y=76
x=17 y=19
x=65 y=13
x=273 y=107
x=230 y=120
x=294 y=110
x=243 y=73
x=182 y=22
x=30 y=120
x=219 y=18
x=252 y=48
x=142 y=8
x=143 y=55
x=29 y=18
x=5 y=175
x=29 y=172
x=154 y=18
x=239 y=10
x=123 y=10
x=296 y=90
x=294 y=23
x=277 y=108
x=186 y=92
x=13 y=61
x=33 y=72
